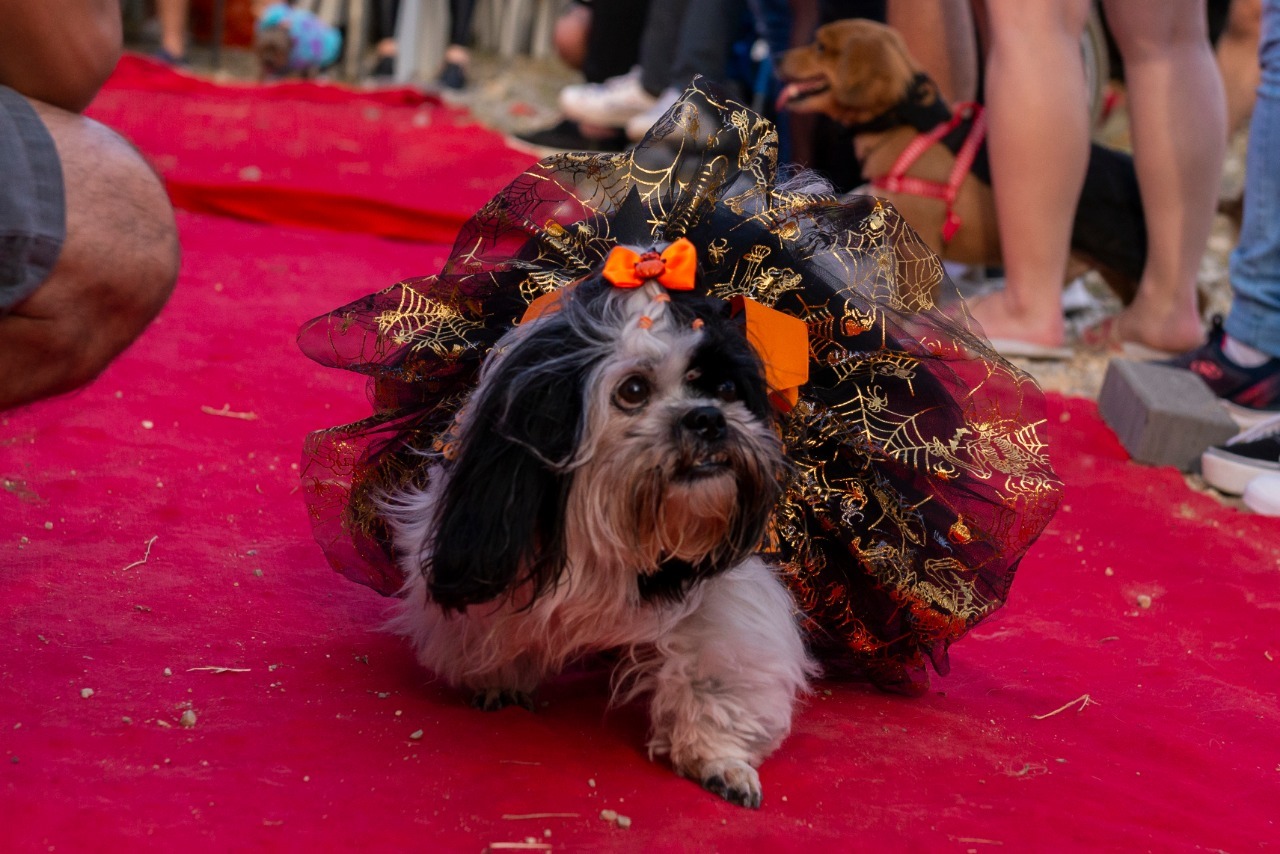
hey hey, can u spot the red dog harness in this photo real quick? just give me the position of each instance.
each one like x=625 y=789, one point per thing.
x=897 y=181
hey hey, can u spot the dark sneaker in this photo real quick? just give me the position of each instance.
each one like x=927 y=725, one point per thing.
x=567 y=136
x=170 y=60
x=454 y=76
x=1250 y=395
x=1229 y=468
x=384 y=68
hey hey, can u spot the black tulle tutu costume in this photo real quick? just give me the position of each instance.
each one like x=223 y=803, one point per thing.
x=920 y=475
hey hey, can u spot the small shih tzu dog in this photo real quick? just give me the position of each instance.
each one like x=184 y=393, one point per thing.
x=607 y=486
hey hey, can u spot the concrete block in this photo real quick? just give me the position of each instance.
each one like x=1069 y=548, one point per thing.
x=1161 y=414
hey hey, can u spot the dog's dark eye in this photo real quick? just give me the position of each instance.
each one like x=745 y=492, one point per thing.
x=633 y=393
x=727 y=391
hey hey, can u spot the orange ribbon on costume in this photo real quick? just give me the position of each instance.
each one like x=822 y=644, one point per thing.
x=782 y=343
x=675 y=267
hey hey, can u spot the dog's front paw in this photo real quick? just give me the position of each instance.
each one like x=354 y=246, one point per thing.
x=494 y=699
x=734 y=780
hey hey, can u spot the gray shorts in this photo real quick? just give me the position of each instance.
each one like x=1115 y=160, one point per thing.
x=33 y=205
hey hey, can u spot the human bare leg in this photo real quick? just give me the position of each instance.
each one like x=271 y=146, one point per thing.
x=1039 y=148
x=1237 y=55
x=116 y=269
x=1178 y=119
x=940 y=36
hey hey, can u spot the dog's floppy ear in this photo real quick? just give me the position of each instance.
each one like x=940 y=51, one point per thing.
x=498 y=523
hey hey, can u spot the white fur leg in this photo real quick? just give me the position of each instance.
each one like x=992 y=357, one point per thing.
x=464 y=650
x=725 y=680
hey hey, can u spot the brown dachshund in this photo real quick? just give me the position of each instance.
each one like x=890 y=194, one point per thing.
x=860 y=73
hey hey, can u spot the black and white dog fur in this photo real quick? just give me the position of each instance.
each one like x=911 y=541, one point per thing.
x=614 y=473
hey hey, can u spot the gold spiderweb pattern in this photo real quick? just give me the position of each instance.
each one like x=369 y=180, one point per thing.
x=920 y=476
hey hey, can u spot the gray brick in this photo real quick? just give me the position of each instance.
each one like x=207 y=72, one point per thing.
x=1162 y=415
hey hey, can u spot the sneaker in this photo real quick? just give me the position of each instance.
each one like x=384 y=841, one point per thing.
x=1262 y=495
x=640 y=123
x=609 y=104
x=1230 y=468
x=1250 y=395
x=384 y=68
x=170 y=59
x=453 y=76
x=568 y=136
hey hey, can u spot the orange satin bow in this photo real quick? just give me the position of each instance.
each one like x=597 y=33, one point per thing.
x=781 y=341
x=675 y=267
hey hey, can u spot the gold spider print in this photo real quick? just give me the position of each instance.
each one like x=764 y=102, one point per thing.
x=541 y=282
x=425 y=323
x=769 y=285
x=468 y=261
x=874 y=223
x=1001 y=451
x=856 y=321
x=900 y=517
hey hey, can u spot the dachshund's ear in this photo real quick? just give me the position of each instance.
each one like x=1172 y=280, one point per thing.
x=499 y=522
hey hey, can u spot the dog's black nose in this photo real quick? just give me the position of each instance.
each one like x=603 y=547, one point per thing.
x=705 y=422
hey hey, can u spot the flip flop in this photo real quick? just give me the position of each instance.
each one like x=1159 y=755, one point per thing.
x=1012 y=348
x=1105 y=336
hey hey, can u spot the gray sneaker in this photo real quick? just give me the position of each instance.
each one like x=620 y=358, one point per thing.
x=608 y=104
x=639 y=124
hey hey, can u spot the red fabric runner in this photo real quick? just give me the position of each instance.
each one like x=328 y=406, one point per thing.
x=392 y=162
x=151 y=525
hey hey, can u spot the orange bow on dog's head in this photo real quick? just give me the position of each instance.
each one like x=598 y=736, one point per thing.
x=675 y=268
x=781 y=341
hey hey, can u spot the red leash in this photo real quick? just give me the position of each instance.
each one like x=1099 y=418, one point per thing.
x=897 y=181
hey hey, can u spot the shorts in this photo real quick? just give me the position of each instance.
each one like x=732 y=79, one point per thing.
x=33 y=205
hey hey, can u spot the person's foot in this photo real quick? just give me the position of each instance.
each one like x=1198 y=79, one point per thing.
x=170 y=59
x=453 y=76
x=1003 y=318
x=609 y=104
x=384 y=68
x=1250 y=394
x=456 y=61
x=1172 y=329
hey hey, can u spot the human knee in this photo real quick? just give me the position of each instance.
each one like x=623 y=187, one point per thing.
x=1018 y=25
x=121 y=258
x=1152 y=31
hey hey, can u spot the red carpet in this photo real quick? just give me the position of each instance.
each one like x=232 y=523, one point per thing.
x=152 y=525
x=392 y=163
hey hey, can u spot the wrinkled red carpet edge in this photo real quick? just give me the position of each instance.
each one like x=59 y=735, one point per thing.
x=391 y=162
x=300 y=208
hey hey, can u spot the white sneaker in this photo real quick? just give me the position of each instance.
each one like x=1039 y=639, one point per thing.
x=1231 y=467
x=1262 y=495
x=608 y=104
x=639 y=124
